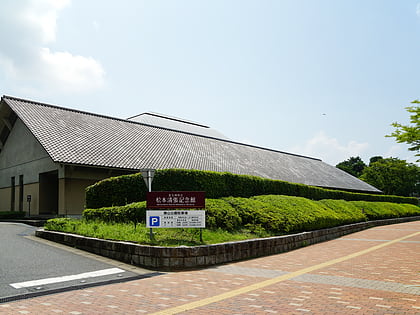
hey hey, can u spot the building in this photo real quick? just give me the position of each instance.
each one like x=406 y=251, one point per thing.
x=50 y=154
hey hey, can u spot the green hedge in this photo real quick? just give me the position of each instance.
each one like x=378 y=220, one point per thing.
x=274 y=213
x=11 y=215
x=134 y=212
x=301 y=214
x=386 y=210
x=58 y=224
x=122 y=190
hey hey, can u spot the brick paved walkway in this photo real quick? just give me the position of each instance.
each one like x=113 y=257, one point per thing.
x=334 y=277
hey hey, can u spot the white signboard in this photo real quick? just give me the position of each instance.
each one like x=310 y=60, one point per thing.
x=176 y=219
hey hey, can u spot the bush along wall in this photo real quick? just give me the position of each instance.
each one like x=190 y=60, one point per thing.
x=133 y=212
x=272 y=213
x=122 y=190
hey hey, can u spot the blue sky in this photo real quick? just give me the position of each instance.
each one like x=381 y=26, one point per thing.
x=322 y=78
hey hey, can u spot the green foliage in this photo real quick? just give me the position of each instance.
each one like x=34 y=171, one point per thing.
x=393 y=176
x=409 y=134
x=284 y=214
x=11 y=215
x=163 y=237
x=374 y=159
x=220 y=214
x=301 y=214
x=118 y=191
x=233 y=218
x=346 y=211
x=134 y=212
x=386 y=210
x=257 y=215
x=353 y=166
x=58 y=224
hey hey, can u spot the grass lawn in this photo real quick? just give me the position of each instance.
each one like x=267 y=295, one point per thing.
x=140 y=234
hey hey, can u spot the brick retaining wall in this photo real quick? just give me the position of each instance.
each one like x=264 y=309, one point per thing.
x=184 y=257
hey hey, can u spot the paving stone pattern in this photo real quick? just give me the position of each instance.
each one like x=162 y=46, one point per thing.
x=383 y=281
x=173 y=258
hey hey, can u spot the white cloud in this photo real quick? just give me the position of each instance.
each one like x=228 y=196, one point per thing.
x=329 y=149
x=41 y=16
x=27 y=28
x=76 y=73
x=418 y=9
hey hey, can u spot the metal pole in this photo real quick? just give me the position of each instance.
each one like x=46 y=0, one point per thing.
x=149 y=180
x=149 y=186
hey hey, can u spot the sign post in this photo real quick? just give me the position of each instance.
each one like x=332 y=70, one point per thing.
x=148 y=175
x=28 y=199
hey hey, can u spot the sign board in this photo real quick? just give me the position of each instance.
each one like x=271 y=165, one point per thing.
x=28 y=198
x=176 y=219
x=176 y=200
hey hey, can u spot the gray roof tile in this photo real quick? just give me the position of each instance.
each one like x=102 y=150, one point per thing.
x=170 y=122
x=75 y=137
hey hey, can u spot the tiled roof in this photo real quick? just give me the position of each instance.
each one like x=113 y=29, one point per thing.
x=75 y=137
x=170 y=122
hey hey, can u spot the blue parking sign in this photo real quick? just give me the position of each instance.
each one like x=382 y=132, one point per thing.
x=154 y=221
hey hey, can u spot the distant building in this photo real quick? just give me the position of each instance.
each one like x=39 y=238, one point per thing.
x=53 y=153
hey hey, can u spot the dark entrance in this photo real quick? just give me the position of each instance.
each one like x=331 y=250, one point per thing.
x=48 y=193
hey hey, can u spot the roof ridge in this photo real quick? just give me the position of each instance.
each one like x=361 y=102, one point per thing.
x=158 y=127
x=60 y=107
x=182 y=120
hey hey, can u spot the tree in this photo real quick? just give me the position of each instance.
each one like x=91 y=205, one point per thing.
x=353 y=166
x=374 y=159
x=409 y=134
x=393 y=176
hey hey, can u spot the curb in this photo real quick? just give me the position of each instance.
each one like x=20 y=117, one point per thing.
x=30 y=295
x=36 y=222
x=183 y=257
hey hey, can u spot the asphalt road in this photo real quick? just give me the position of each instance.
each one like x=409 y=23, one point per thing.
x=23 y=260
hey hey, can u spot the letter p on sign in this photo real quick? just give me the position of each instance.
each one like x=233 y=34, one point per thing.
x=154 y=221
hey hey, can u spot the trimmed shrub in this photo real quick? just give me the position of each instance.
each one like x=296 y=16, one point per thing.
x=301 y=214
x=121 y=190
x=271 y=213
x=58 y=224
x=257 y=215
x=134 y=212
x=220 y=214
x=346 y=211
x=116 y=191
x=385 y=210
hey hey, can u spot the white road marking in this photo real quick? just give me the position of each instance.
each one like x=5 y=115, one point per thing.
x=92 y=274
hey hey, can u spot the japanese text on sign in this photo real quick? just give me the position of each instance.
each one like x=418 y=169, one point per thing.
x=175 y=199
x=176 y=219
